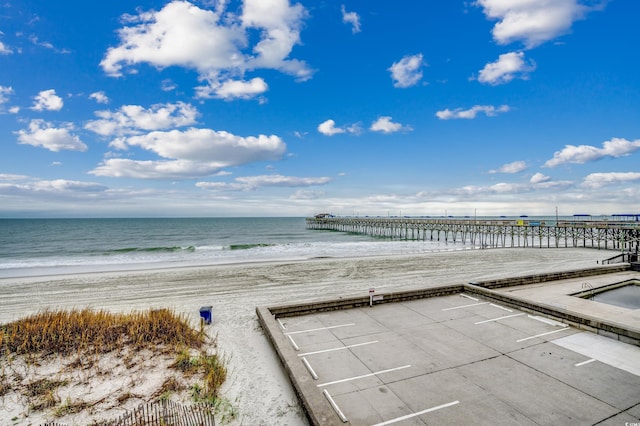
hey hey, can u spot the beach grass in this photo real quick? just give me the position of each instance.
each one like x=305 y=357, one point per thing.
x=82 y=337
x=78 y=331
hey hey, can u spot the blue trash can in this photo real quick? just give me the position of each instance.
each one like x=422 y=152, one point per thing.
x=205 y=314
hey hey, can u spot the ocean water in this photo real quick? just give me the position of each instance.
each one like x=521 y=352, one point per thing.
x=31 y=247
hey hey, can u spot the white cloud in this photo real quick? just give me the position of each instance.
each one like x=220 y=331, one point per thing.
x=233 y=89
x=221 y=147
x=99 y=97
x=537 y=184
x=328 y=128
x=407 y=72
x=508 y=66
x=385 y=125
x=12 y=177
x=47 y=100
x=5 y=92
x=156 y=169
x=131 y=119
x=215 y=44
x=539 y=178
x=514 y=167
x=61 y=185
x=302 y=194
x=252 y=182
x=168 y=85
x=531 y=21
x=571 y=154
x=55 y=187
x=191 y=153
x=597 y=180
x=351 y=18
x=54 y=139
x=4 y=49
x=471 y=113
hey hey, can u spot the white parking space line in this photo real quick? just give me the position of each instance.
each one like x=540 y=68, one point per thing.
x=338 y=349
x=363 y=376
x=321 y=328
x=293 y=343
x=498 y=319
x=408 y=416
x=548 y=321
x=606 y=350
x=281 y=324
x=335 y=406
x=500 y=307
x=580 y=364
x=542 y=334
x=311 y=370
x=469 y=297
x=465 y=306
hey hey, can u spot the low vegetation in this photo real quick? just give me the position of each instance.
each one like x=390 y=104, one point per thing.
x=83 y=339
x=81 y=331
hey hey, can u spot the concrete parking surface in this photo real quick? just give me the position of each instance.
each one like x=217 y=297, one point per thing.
x=458 y=359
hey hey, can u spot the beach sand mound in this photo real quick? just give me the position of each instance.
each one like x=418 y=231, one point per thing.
x=93 y=385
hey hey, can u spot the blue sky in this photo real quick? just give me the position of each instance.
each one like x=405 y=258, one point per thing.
x=289 y=108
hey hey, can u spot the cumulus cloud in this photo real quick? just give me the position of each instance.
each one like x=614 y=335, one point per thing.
x=571 y=154
x=5 y=92
x=328 y=128
x=99 y=97
x=539 y=178
x=191 y=153
x=247 y=183
x=471 y=113
x=47 y=100
x=531 y=21
x=233 y=89
x=214 y=43
x=514 y=167
x=508 y=66
x=385 y=125
x=156 y=169
x=131 y=119
x=597 y=180
x=351 y=18
x=407 y=71
x=4 y=49
x=45 y=135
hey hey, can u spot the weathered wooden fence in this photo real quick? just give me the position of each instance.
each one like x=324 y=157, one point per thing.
x=162 y=413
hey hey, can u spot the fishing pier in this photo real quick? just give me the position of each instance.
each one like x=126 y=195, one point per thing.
x=623 y=235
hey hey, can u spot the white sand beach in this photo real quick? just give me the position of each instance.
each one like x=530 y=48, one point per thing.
x=256 y=386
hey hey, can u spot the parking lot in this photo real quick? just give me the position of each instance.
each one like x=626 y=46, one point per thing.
x=458 y=359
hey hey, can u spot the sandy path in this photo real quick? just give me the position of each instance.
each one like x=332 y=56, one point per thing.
x=257 y=386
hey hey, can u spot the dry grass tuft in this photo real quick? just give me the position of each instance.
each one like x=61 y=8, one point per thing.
x=83 y=339
x=70 y=332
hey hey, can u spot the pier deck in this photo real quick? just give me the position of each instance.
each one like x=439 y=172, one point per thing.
x=608 y=235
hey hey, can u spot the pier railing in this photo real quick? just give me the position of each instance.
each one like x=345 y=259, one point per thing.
x=612 y=235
